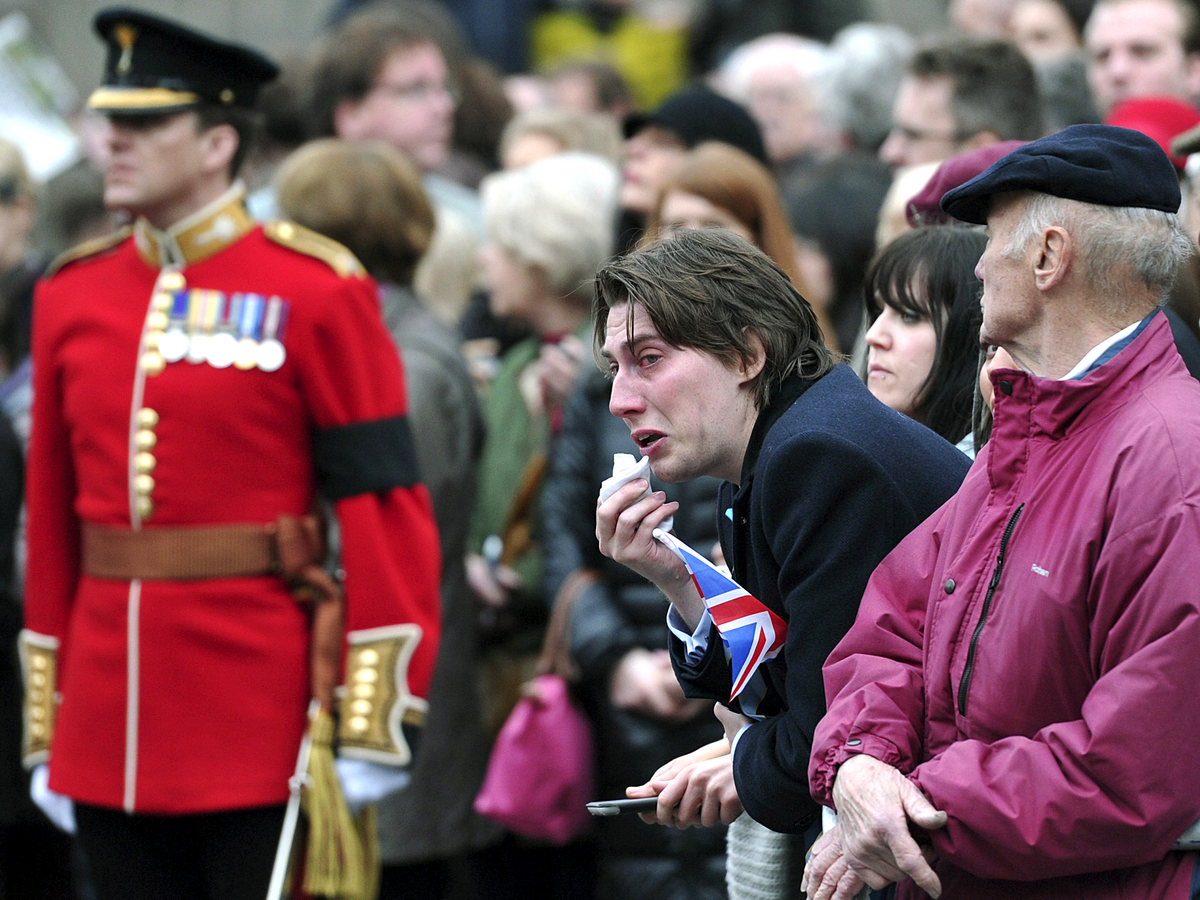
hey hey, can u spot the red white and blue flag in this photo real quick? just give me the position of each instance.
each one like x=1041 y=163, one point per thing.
x=752 y=633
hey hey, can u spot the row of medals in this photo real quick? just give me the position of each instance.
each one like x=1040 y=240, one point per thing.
x=218 y=350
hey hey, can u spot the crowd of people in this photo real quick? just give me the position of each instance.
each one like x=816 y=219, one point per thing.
x=312 y=369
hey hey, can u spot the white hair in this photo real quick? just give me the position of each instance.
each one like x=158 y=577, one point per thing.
x=557 y=215
x=868 y=61
x=809 y=59
x=1115 y=243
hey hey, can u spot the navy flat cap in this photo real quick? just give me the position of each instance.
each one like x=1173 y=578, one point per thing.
x=1092 y=163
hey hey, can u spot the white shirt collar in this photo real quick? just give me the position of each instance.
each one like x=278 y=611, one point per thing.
x=1084 y=365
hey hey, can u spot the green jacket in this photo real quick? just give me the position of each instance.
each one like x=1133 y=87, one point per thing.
x=515 y=438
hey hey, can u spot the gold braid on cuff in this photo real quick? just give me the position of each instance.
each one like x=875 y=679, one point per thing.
x=376 y=705
x=39 y=664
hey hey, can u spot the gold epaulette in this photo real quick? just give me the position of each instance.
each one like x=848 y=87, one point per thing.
x=310 y=243
x=89 y=248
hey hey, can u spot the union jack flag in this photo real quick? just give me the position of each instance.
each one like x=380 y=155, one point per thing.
x=752 y=633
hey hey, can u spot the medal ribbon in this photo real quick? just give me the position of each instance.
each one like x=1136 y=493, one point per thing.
x=196 y=302
x=179 y=308
x=233 y=314
x=271 y=325
x=251 y=318
x=212 y=310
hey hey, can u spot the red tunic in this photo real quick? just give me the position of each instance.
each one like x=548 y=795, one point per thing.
x=190 y=696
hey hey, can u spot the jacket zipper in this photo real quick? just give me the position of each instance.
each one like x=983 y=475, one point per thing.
x=965 y=684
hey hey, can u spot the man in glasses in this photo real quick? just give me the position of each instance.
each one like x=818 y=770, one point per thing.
x=958 y=94
x=383 y=75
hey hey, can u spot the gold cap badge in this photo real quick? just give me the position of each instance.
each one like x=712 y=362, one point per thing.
x=125 y=35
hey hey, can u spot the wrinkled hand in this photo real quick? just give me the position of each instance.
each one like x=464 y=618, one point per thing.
x=58 y=808
x=827 y=873
x=491 y=585
x=733 y=721
x=625 y=531
x=875 y=804
x=644 y=681
x=693 y=790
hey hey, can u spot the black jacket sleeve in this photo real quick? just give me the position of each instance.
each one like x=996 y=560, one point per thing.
x=826 y=531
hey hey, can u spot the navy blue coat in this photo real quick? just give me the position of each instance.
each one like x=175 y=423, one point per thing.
x=831 y=482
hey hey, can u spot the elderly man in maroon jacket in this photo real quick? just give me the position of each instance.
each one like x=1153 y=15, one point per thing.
x=1020 y=683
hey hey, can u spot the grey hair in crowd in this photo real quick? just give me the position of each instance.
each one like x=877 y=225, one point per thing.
x=557 y=215
x=868 y=62
x=1066 y=97
x=1115 y=242
x=809 y=59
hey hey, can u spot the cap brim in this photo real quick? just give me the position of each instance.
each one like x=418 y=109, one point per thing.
x=140 y=100
x=969 y=208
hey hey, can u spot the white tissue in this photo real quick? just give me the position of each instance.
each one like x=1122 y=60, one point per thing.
x=626 y=468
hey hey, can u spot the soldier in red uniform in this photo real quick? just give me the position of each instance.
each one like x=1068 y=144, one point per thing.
x=198 y=377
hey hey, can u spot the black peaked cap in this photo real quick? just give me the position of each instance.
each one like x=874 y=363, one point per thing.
x=154 y=65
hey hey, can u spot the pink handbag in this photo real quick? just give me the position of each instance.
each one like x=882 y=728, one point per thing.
x=540 y=774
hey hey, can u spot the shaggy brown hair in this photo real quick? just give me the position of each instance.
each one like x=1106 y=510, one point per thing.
x=710 y=290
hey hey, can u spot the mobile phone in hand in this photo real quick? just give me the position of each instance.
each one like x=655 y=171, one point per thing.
x=620 y=807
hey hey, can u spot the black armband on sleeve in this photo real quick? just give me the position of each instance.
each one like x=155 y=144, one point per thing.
x=365 y=458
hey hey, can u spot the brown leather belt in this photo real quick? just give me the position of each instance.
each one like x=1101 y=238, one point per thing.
x=292 y=547
x=180 y=553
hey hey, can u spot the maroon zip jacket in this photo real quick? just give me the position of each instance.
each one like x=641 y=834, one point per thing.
x=1028 y=655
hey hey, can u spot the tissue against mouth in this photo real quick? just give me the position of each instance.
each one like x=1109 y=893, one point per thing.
x=626 y=468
